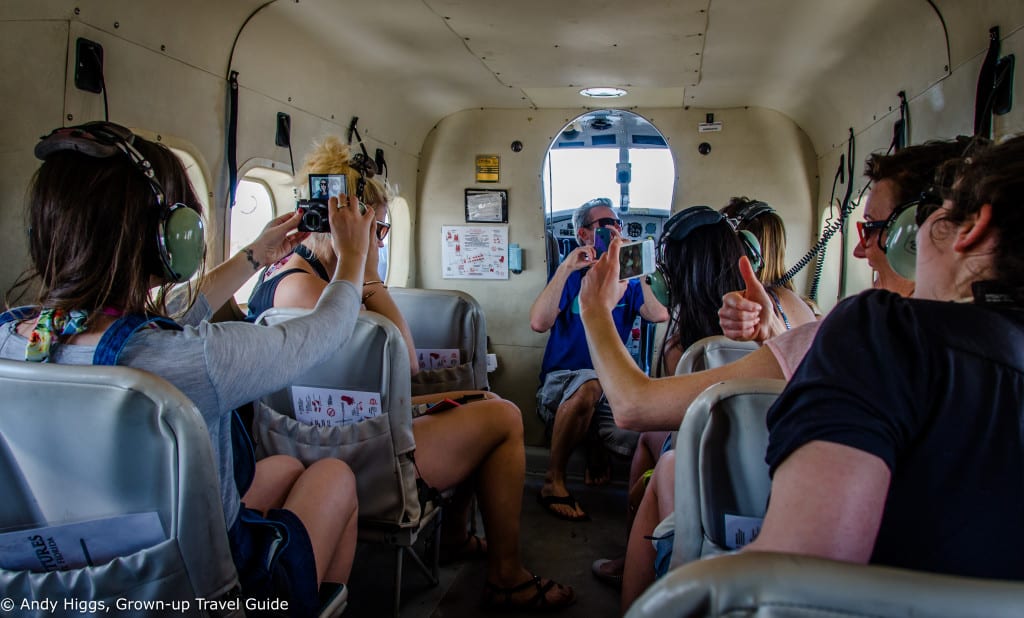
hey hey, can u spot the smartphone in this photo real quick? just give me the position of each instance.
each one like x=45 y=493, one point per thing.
x=602 y=238
x=636 y=259
x=441 y=406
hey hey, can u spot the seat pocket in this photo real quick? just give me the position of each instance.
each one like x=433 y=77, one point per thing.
x=430 y=381
x=385 y=483
x=152 y=581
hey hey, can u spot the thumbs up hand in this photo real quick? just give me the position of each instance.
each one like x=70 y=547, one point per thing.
x=748 y=315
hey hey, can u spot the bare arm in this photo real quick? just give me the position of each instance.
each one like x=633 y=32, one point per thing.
x=652 y=310
x=377 y=298
x=274 y=242
x=544 y=310
x=640 y=402
x=827 y=501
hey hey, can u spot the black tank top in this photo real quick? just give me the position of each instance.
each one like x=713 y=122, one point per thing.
x=262 y=297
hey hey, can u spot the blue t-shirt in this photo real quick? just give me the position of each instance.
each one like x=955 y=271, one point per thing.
x=936 y=391
x=567 y=343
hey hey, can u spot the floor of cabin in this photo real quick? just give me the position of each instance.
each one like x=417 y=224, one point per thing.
x=554 y=548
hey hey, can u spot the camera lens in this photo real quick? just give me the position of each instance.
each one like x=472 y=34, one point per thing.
x=311 y=220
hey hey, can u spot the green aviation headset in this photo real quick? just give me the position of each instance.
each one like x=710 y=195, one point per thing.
x=680 y=225
x=180 y=232
x=899 y=231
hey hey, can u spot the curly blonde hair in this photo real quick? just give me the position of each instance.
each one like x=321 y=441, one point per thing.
x=332 y=156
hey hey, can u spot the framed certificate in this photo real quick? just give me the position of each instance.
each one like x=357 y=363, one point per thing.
x=486 y=206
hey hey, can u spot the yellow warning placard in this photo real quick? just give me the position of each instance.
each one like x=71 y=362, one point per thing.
x=487 y=168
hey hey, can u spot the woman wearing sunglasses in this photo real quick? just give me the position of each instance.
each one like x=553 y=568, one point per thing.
x=919 y=461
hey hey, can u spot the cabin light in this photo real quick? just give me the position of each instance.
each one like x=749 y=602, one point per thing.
x=603 y=92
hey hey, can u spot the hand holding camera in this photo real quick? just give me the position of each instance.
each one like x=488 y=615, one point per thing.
x=350 y=232
x=322 y=187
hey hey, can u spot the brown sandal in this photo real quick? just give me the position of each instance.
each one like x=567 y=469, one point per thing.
x=497 y=598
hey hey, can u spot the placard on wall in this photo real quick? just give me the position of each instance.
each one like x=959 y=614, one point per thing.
x=488 y=168
x=474 y=252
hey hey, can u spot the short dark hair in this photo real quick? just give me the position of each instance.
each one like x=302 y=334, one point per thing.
x=913 y=168
x=994 y=175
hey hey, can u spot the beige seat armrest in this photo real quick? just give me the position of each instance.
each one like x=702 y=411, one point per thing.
x=784 y=585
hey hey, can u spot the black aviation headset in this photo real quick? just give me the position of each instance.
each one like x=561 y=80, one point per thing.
x=746 y=213
x=180 y=238
x=897 y=235
x=680 y=225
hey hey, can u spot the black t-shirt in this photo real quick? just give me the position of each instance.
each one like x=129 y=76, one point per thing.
x=936 y=390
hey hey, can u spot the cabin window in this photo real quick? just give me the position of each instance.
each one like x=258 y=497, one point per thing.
x=394 y=256
x=607 y=153
x=253 y=209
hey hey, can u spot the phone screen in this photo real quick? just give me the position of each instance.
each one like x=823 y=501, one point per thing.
x=631 y=261
x=602 y=238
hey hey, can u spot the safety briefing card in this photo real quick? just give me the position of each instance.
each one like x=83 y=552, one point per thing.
x=329 y=407
x=438 y=358
x=79 y=544
x=474 y=252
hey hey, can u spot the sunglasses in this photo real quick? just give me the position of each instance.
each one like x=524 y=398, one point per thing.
x=925 y=205
x=382 y=229
x=605 y=222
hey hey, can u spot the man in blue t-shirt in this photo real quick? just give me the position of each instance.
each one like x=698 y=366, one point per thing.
x=570 y=391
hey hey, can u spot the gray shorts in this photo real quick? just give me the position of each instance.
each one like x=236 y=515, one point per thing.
x=562 y=384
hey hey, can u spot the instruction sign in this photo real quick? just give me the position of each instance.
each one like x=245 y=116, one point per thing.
x=474 y=252
x=487 y=168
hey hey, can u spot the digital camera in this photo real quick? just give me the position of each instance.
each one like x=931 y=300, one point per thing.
x=314 y=216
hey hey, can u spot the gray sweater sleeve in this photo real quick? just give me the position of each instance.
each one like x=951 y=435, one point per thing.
x=245 y=361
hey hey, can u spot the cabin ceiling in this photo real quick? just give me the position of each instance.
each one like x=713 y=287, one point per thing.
x=826 y=64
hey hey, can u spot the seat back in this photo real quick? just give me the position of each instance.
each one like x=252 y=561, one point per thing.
x=722 y=482
x=379 y=450
x=446 y=319
x=768 y=585
x=711 y=352
x=83 y=443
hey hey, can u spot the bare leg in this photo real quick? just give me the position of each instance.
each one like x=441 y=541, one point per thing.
x=274 y=478
x=571 y=422
x=646 y=455
x=484 y=437
x=324 y=498
x=638 y=574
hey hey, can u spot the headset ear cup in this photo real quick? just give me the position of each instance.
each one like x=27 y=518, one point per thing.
x=182 y=243
x=658 y=287
x=901 y=243
x=752 y=248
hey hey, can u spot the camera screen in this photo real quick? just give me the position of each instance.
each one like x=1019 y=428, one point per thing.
x=322 y=187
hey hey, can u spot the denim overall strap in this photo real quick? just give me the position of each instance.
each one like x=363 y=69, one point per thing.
x=17 y=313
x=116 y=337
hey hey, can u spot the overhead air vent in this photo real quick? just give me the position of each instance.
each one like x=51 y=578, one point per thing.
x=600 y=124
